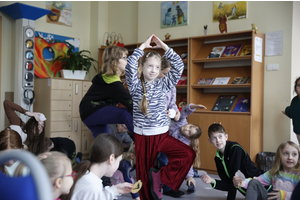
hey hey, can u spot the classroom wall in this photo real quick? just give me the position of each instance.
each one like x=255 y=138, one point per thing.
x=136 y=20
x=269 y=17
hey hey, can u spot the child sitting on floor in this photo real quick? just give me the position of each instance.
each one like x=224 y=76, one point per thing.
x=230 y=157
x=283 y=176
x=127 y=165
x=188 y=134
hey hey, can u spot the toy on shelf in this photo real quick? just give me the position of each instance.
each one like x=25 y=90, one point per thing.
x=222 y=23
x=167 y=36
x=205 y=30
x=254 y=28
x=112 y=39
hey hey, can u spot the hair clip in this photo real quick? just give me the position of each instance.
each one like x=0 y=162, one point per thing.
x=144 y=94
x=148 y=53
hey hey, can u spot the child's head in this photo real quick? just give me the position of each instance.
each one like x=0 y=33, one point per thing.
x=104 y=148
x=297 y=86
x=10 y=139
x=286 y=158
x=35 y=135
x=150 y=66
x=165 y=67
x=121 y=128
x=217 y=136
x=59 y=169
x=114 y=60
x=191 y=131
x=48 y=144
x=130 y=154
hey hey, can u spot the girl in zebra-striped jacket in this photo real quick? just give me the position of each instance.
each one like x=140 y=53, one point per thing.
x=151 y=123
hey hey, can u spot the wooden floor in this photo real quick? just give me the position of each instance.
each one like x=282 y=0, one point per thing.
x=203 y=192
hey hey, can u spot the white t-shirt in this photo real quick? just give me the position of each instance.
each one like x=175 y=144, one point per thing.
x=89 y=187
x=20 y=131
x=11 y=170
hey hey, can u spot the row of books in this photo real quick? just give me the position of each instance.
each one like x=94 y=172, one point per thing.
x=225 y=103
x=230 y=51
x=222 y=80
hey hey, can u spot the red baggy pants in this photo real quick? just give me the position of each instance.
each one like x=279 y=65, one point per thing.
x=180 y=157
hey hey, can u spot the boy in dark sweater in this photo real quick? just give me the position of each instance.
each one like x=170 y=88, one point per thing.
x=230 y=157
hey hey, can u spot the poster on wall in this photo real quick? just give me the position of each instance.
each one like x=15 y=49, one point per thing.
x=61 y=12
x=174 y=13
x=48 y=47
x=231 y=9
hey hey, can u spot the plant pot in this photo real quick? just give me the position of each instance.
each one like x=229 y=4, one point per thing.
x=68 y=74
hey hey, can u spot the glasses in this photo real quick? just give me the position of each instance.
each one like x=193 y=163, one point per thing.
x=124 y=58
x=73 y=175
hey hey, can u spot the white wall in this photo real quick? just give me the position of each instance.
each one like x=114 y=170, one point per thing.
x=268 y=16
x=136 y=20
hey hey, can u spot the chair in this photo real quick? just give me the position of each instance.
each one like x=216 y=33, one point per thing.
x=36 y=186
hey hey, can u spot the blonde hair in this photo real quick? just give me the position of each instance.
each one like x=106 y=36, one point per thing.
x=277 y=165
x=143 y=105
x=130 y=154
x=195 y=145
x=110 y=60
x=55 y=163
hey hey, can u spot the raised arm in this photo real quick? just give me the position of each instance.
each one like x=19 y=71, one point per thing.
x=10 y=108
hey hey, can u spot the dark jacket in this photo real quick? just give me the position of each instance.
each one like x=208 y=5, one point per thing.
x=102 y=94
x=235 y=158
x=293 y=112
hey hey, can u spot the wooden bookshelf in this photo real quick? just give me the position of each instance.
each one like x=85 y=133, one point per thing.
x=246 y=128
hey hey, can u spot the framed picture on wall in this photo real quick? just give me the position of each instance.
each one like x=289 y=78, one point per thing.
x=174 y=13
x=61 y=12
x=232 y=10
x=47 y=48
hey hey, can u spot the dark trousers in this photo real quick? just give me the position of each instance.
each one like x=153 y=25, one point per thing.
x=256 y=190
x=163 y=161
x=98 y=121
x=180 y=158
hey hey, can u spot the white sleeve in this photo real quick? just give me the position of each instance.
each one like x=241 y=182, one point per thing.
x=20 y=131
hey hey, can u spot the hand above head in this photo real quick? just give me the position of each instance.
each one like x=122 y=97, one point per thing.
x=146 y=44
x=197 y=106
x=124 y=188
x=159 y=43
x=36 y=115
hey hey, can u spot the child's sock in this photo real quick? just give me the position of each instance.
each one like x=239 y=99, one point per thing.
x=191 y=188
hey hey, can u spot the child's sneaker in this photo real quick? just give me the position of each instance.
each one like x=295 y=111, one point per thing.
x=156 y=184
x=191 y=188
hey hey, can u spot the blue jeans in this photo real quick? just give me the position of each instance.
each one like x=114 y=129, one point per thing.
x=97 y=122
x=163 y=161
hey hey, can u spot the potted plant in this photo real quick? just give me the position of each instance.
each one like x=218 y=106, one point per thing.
x=75 y=63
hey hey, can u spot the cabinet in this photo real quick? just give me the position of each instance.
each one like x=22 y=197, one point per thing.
x=245 y=128
x=180 y=46
x=58 y=99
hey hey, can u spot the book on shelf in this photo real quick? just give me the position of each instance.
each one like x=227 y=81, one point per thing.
x=246 y=50
x=224 y=103
x=216 y=52
x=182 y=80
x=221 y=80
x=242 y=105
x=182 y=103
x=240 y=80
x=231 y=50
x=205 y=81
